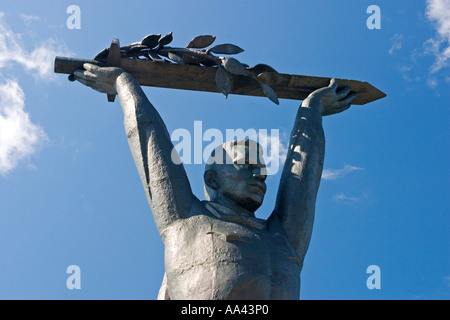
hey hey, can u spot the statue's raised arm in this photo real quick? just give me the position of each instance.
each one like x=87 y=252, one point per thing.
x=165 y=183
x=296 y=198
x=217 y=248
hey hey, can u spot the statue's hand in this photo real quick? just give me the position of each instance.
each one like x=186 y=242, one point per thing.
x=333 y=102
x=101 y=79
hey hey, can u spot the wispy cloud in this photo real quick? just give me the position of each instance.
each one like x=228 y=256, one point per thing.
x=447 y=281
x=362 y=197
x=19 y=137
x=38 y=61
x=343 y=197
x=333 y=174
x=396 y=40
x=28 y=18
x=273 y=146
x=407 y=73
x=438 y=12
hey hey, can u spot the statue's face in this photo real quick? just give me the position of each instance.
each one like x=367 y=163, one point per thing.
x=242 y=183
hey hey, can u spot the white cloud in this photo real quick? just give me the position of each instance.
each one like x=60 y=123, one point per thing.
x=363 y=197
x=343 y=197
x=447 y=281
x=397 y=40
x=432 y=82
x=19 y=137
x=438 y=12
x=274 y=150
x=28 y=18
x=38 y=61
x=333 y=174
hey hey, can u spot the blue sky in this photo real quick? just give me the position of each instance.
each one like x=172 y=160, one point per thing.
x=70 y=194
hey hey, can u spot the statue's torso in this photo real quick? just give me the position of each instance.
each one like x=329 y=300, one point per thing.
x=209 y=258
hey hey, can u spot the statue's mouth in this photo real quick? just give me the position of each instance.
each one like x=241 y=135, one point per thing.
x=258 y=187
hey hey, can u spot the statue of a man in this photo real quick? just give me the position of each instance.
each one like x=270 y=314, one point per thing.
x=217 y=249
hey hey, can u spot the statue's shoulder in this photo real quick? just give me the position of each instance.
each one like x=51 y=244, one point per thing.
x=198 y=222
x=198 y=211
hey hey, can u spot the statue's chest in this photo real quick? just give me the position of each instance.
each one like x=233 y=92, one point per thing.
x=232 y=255
x=250 y=245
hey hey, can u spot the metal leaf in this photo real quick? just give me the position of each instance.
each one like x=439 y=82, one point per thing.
x=201 y=42
x=270 y=78
x=260 y=68
x=234 y=66
x=128 y=47
x=102 y=55
x=154 y=57
x=223 y=81
x=135 y=43
x=226 y=48
x=268 y=91
x=151 y=40
x=190 y=60
x=206 y=60
x=176 y=58
x=136 y=48
x=165 y=40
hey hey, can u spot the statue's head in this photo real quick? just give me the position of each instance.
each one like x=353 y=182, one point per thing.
x=235 y=173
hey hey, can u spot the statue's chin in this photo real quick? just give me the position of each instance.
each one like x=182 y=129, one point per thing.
x=251 y=204
x=250 y=201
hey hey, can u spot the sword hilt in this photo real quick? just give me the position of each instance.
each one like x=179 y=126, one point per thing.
x=113 y=60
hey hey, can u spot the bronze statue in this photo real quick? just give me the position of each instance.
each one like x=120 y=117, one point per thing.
x=218 y=249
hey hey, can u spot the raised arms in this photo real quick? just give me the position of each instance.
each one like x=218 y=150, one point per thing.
x=296 y=199
x=165 y=183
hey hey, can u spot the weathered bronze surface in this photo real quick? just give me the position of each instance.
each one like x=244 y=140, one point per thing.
x=217 y=248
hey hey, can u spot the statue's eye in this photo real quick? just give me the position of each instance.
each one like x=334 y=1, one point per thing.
x=242 y=161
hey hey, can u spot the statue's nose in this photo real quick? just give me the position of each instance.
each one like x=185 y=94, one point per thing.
x=259 y=174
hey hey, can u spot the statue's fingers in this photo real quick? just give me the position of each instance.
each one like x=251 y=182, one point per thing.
x=347 y=100
x=86 y=75
x=333 y=84
x=340 y=108
x=344 y=107
x=81 y=81
x=341 y=94
x=79 y=75
x=90 y=75
x=91 y=67
x=351 y=97
x=86 y=82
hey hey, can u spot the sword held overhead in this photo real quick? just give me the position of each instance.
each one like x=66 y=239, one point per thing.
x=152 y=63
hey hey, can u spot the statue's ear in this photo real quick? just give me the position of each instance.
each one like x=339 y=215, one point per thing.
x=210 y=179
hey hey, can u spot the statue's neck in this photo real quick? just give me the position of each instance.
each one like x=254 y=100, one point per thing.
x=231 y=208
x=244 y=217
